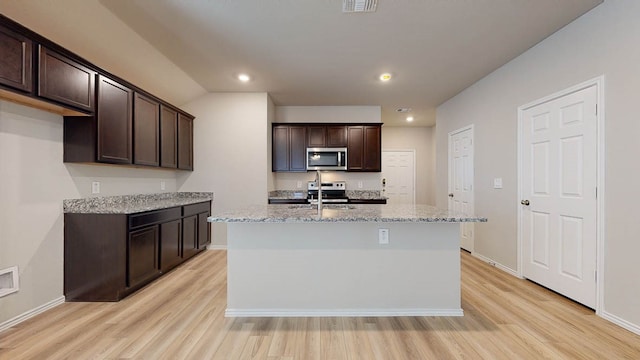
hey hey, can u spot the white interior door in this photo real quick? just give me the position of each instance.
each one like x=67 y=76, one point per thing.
x=398 y=174
x=461 y=180
x=558 y=184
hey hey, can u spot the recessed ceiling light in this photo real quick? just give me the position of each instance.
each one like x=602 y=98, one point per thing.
x=409 y=118
x=385 y=77
x=244 y=77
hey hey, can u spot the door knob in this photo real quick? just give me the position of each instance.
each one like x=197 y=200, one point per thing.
x=451 y=195
x=525 y=202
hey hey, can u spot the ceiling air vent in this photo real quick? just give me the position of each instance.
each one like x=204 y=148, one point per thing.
x=349 y=6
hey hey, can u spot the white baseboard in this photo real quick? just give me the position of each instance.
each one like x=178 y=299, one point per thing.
x=216 y=247
x=506 y=269
x=341 y=312
x=621 y=322
x=31 y=313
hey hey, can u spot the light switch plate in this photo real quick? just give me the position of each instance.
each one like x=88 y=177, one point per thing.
x=497 y=183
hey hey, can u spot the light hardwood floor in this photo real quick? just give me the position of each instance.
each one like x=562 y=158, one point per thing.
x=181 y=316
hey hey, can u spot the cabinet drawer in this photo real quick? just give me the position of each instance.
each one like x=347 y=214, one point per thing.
x=154 y=217
x=193 y=209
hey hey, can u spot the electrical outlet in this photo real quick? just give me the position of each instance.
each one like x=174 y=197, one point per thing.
x=95 y=187
x=359 y=184
x=383 y=236
x=497 y=183
x=299 y=185
x=163 y=185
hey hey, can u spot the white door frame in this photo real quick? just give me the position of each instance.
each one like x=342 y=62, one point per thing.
x=415 y=171
x=473 y=186
x=600 y=238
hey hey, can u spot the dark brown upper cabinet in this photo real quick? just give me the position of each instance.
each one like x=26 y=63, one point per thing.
x=146 y=131
x=115 y=104
x=185 y=142
x=316 y=136
x=326 y=136
x=65 y=81
x=168 y=137
x=364 y=148
x=336 y=135
x=289 y=148
x=16 y=58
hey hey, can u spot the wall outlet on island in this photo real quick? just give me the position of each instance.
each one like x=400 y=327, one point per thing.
x=95 y=187
x=359 y=184
x=163 y=185
x=383 y=236
x=299 y=185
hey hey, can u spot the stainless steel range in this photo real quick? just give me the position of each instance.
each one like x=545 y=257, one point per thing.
x=332 y=192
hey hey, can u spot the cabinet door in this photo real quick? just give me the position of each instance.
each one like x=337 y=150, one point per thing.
x=355 y=148
x=65 y=81
x=170 y=244
x=189 y=236
x=280 y=148
x=289 y=148
x=298 y=148
x=316 y=136
x=372 y=148
x=336 y=136
x=146 y=131
x=15 y=60
x=204 y=231
x=185 y=142
x=142 y=255
x=114 y=122
x=168 y=137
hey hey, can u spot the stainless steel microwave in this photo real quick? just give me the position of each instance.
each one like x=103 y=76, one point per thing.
x=326 y=158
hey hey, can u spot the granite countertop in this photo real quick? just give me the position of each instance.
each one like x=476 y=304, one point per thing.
x=341 y=213
x=131 y=204
x=351 y=194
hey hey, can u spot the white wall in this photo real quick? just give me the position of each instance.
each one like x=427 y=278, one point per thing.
x=604 y=41
x=333 y=114
x=231 y=146
x=34 y=181
x=422 y=140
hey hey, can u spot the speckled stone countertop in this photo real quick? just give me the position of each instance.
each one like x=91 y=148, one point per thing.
x=341 y=213
x=302 y=194
x=131 y=204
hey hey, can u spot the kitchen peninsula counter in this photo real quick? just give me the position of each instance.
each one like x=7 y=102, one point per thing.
x=131 y=204
x=286 y=260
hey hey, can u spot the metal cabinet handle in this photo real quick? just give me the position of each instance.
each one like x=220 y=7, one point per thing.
x=525 y=202
x=451 y=195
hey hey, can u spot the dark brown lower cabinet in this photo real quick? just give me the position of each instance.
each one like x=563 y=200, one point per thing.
x=204 y=230
x=170 y=245
x=190 y=236
x=143 y=255
x=109 y=256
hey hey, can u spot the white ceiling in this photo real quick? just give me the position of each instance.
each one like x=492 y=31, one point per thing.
x=307 y=52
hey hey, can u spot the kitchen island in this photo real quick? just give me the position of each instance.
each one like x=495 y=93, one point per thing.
x=289 y=260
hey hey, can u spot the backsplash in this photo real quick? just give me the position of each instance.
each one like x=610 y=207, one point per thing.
x=302 y=194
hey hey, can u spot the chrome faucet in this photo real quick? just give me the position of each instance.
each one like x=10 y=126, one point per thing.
x=319 y=185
